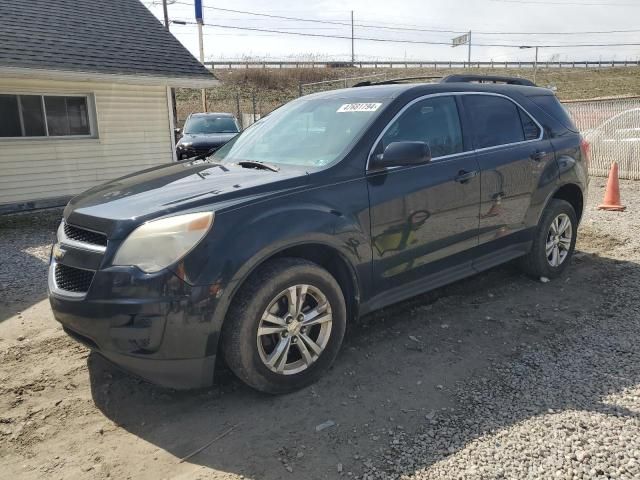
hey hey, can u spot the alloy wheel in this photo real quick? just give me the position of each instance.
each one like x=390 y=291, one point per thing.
x=559 y=240
x=294 y=329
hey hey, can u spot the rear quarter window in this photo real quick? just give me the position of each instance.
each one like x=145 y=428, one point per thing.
x=553 y=107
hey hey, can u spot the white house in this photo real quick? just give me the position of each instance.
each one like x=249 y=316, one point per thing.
x=84 y=96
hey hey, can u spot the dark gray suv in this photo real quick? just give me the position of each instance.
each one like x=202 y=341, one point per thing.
x=334 y=205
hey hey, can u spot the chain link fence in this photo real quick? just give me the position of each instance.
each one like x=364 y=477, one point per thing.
x=247 y=106
x=612 y=127
x=313 y=87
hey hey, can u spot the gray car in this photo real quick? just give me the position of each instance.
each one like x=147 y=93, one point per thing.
x=206 y=132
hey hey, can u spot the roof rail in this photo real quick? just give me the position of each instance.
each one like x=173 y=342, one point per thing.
x=487 y=79
x=393 y=81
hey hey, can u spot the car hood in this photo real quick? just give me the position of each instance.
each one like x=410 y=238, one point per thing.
x=118 y=206
x=205 y=140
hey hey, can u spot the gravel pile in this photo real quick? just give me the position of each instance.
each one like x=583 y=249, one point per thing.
x=568 y=408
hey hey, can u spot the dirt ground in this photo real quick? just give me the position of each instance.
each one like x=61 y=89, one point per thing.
x=66 y=413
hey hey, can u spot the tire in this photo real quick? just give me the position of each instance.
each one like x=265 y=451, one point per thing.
x=248 y=355
x=536 y=263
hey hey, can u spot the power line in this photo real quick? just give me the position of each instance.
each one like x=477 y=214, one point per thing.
x=414 y=28
x=329 y=22
x=582 y=4
x=558 y=33
x=418 y=42
x=318 y=35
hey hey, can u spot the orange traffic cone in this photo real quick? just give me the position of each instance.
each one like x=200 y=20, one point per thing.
x=612 y=193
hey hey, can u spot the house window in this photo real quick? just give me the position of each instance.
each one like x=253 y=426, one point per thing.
x=44 y=116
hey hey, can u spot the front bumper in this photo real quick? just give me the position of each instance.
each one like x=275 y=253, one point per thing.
x=155 y=326
x=183 y=153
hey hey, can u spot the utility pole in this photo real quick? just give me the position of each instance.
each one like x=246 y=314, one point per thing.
x=166 y=14
x=469 y=56
x=353 y=55
x=535 y=63
x=201 y=44
x=200 y=22
x=535 y=66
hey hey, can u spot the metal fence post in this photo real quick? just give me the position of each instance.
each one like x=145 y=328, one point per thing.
x=253 y=99
x=238 y=110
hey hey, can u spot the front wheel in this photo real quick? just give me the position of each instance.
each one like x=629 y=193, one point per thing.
x=285 y=326
x=554 y=241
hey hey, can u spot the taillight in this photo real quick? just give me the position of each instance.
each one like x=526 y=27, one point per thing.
x=585 y=148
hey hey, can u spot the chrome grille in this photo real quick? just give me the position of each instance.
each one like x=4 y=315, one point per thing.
x=73 y=279
x=84 y=236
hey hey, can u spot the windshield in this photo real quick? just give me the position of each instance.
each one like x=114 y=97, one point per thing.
x=307 y=132
x=211 y=124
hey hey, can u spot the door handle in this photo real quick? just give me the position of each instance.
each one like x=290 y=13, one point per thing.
x=538 y=155
x=464 y=176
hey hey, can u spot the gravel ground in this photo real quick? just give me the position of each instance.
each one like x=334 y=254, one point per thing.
x=495 y=377
x=564 y=408
x=26 y=242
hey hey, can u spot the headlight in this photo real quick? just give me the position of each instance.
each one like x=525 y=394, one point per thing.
x=185 y=145
x=157 y=244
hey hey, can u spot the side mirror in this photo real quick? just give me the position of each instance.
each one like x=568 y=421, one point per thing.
x=402 y=154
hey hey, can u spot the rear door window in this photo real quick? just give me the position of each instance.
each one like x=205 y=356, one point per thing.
x=530 y=128
x=494 y=120
x=434 y=121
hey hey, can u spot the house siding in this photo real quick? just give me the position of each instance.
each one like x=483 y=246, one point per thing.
x=133 y=133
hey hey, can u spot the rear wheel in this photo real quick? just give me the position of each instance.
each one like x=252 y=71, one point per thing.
x=285 y=326
x=554 y=241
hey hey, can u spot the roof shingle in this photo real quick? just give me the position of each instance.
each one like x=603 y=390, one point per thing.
x=105 y=36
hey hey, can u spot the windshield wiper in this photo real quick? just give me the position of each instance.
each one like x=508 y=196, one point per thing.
x=257 y=164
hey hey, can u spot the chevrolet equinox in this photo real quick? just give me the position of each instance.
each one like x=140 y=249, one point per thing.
x=332 y=206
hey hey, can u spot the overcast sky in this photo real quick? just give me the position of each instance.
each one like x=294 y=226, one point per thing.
x=487 y=19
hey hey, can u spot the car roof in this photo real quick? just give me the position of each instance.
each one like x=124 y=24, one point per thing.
x=390 y=91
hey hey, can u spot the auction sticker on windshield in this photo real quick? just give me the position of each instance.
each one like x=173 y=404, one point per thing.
x=359 y=107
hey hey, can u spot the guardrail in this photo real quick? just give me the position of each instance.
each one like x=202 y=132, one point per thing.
x=416 y=64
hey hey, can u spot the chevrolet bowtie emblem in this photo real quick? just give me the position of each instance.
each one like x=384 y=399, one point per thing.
x=58 y=252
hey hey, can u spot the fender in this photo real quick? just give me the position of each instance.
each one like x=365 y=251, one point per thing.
x=248 y=239
x=553 y=194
